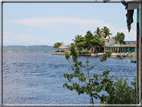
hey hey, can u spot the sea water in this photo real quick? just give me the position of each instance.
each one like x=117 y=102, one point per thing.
x=32 y=76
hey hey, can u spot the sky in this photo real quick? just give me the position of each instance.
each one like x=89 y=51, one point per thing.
x=48 y=23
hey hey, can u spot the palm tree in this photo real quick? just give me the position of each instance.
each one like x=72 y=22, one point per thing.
x=106 y=32
x=98 y=32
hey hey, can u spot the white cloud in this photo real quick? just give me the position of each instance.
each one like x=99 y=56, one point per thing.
x=72 y=24
x=23 y=39
x=10 y=33
x=40 y=22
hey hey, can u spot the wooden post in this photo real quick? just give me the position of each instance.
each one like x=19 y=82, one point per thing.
x=139 y=55
x=124 y=49
x=113 y=50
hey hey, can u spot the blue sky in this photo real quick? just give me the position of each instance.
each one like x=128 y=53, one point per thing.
x=48 y=23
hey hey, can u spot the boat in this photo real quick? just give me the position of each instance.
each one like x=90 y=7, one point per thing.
x=133 y=60
x=101 y=54
x=94 y=55
x=118 y=55
x=124 y=55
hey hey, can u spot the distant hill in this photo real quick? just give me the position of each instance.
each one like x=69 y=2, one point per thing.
x=16 y=45
x=29 y=46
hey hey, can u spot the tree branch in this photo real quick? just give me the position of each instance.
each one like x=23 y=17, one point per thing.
x=82 y=70
x=96 y=64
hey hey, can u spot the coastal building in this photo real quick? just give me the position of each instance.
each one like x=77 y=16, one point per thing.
x=110 y=41
x=122 y=48
x=112 y=45
x=63 y=47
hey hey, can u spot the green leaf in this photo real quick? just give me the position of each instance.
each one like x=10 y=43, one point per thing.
x=64 y=85
x=67 y=56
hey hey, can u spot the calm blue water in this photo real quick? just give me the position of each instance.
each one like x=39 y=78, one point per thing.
x=32 y=76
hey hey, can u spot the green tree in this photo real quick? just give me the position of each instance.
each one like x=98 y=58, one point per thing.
x=96 y=42
x=98 y=32
x=57 y=45
x=88 y=41
x=106 y=32
x=94 y=85
x=122 y=93
x=120 y=37
x=79 y=42
x=92 y=41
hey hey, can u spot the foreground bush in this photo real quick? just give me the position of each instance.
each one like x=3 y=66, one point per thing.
x=122 y=93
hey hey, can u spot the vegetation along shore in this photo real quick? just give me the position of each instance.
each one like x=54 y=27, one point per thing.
x=100 y=42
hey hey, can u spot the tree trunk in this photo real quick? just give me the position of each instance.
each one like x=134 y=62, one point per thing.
x=95 y=49
x=80 y=52
x=92 y=50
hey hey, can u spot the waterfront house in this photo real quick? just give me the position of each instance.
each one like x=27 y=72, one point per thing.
x=122 y=48
x=114 y=47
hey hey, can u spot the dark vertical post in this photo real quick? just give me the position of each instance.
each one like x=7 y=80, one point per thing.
x=1 y=54
x=139 y=55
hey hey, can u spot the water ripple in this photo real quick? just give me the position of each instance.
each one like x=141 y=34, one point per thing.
x=37 y=78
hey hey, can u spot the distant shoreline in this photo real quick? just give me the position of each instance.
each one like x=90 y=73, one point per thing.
x=112 y=55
